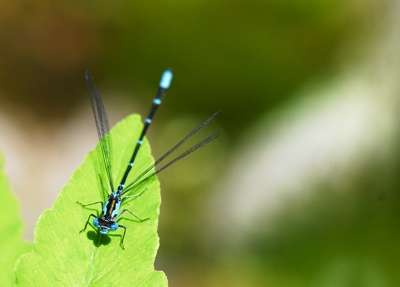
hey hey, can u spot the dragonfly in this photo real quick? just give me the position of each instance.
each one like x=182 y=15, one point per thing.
x=111 y=210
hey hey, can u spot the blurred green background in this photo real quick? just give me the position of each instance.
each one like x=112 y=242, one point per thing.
x=277 y=69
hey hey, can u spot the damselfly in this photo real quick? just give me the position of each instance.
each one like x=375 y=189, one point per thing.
x=116 y=197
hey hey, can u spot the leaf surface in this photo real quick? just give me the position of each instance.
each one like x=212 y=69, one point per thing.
x=62 y=256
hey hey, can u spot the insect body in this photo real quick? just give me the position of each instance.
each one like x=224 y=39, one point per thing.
x=111 y=208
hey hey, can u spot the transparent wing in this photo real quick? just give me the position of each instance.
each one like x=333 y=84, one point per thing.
x=102 y=125
x=201 y=144
x=137 y=180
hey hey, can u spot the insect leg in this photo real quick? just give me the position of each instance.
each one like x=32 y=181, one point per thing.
x=84 y=205
x=123 y=236
x=134 y=195
x=116 y=218
x=87 y=222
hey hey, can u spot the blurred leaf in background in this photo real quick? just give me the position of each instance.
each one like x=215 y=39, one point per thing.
x=11 y=229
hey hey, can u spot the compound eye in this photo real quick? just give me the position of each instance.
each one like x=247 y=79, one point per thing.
x=114 y=226
x=96 y=222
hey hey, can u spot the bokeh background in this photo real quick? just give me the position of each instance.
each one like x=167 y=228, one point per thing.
x=302 y=186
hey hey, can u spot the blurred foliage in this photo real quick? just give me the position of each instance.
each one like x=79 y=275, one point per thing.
x=341 y=234
x=243 y=57
x=11 y=228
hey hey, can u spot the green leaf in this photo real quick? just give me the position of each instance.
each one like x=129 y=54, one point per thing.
x=11 y=228
x=62 y=256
